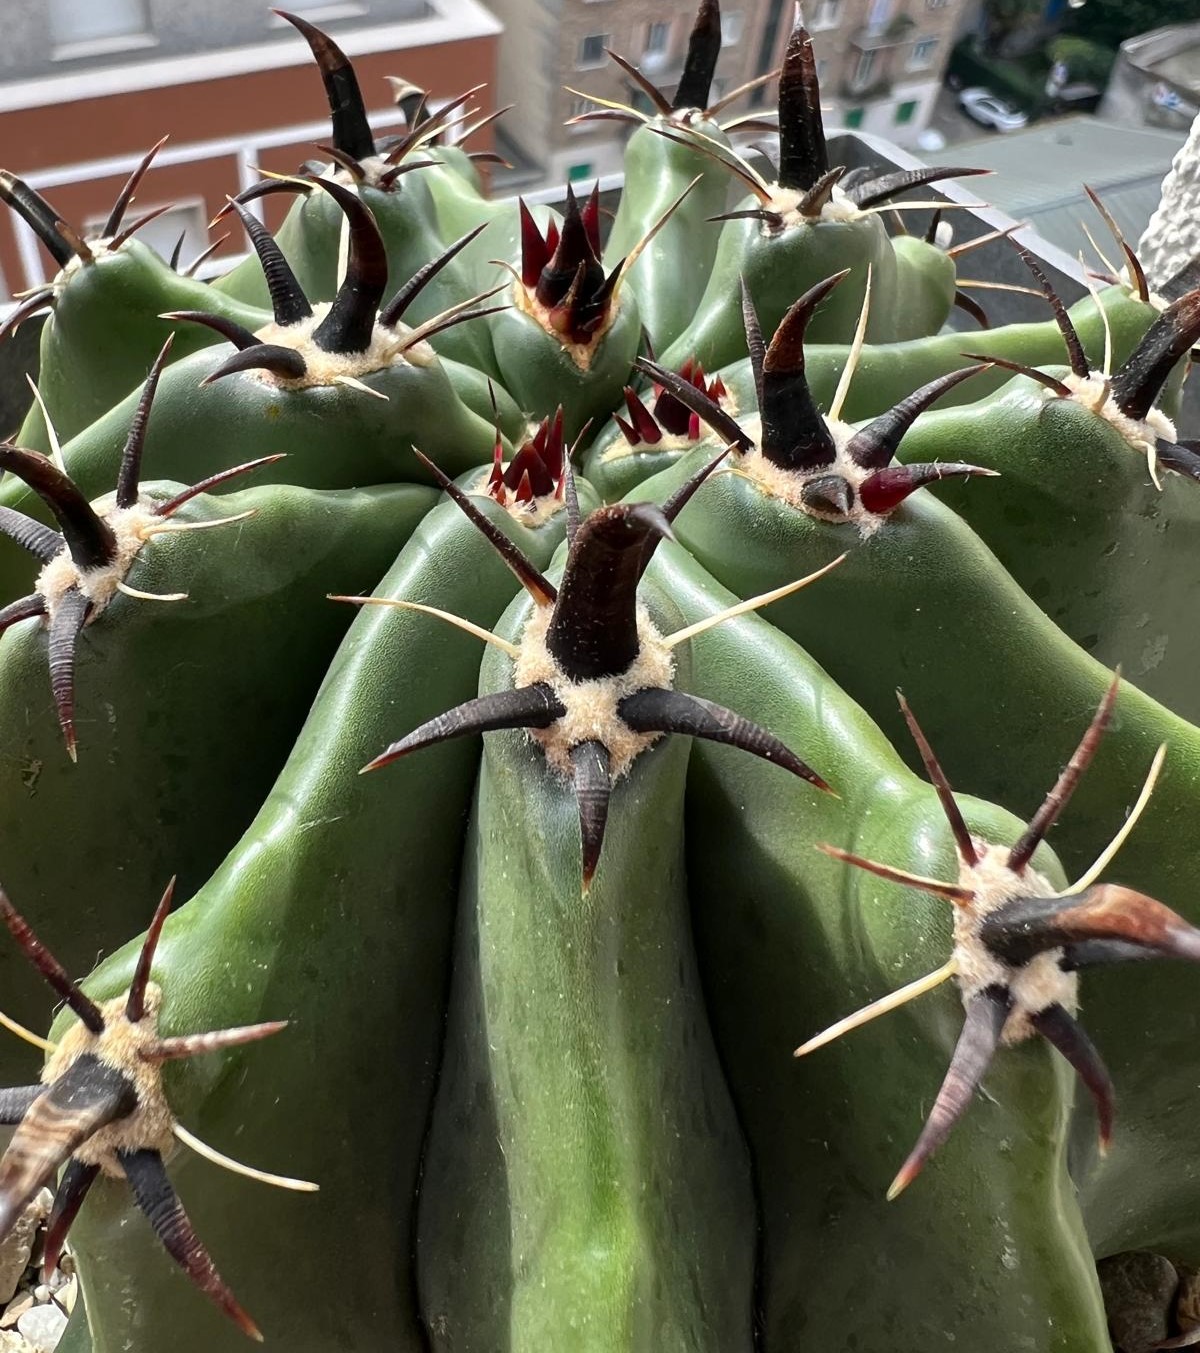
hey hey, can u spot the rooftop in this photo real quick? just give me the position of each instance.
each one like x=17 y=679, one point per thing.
x=1039 y=173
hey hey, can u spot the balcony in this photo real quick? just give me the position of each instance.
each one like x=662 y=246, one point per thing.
x=892 y=34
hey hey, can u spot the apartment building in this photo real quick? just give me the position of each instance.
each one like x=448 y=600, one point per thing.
x=87 y=86
x=881 y=64
x=553 y=47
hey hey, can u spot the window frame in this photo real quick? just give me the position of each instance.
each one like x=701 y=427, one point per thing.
x=66 y=43
x=195 y=206
x=604 y=39
x=864 y=68
x=827 y=16
x=914 y=63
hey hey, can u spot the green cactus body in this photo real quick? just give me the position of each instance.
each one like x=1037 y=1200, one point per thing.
x=587 y=1185
x=310 y=238
x=616 y=468
x=778 y=265
x=929 y=598
x=545 y=996
x=456 y=163
x=542 y=371
x=333 y=435
x=387 y=180
x=460 y=209
x=937 y=571
x=1079 y=523
x=673 y=270
x=103 y=333
x=159 y=722
x=340 y=878
x=888 y=372
x=656 y=433
x=926 y=280
x=987 y=1247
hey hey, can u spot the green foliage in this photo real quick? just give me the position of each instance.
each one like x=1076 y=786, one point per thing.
x=1084 y=58
x=1110 y=22
x=1003 y=19
x=1020 y=82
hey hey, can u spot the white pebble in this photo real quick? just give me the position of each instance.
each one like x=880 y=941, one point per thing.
x=43 y=1326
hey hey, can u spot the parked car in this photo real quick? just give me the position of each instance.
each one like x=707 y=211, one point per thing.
x=991 y=110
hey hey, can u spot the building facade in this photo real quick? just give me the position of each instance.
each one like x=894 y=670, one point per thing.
x=1156 y=79
x=880 y=64
x=87 y=86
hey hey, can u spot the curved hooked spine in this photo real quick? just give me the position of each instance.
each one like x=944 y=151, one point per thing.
x=348 y=114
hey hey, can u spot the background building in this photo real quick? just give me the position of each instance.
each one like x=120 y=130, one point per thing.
x=880 y=63
x=87 y=86
x=1039 y=173
x=1156 y=78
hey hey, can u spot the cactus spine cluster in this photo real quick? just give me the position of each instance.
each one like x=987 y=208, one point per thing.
x=648 y=507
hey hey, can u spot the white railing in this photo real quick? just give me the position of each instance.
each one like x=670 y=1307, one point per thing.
x=245 y=151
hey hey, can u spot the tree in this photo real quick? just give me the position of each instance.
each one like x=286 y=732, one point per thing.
x=1110 y=22
x=1003 y=18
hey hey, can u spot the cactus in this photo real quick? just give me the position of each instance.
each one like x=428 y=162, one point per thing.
x=706 y=491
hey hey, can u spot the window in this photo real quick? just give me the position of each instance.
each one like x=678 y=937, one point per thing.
x=656 y=47
x=73 y=22
x=320 y=11
x=905 y=112
x=922 y=54
x=880 y=13
x=188 y=219
x=864 y=70
x=822 y=68
x=591 y=50
x=578 y=172
x=732 y=25
x=936 y=4
x=852 y=118
x=827 y=15
x=576 y=107
x=657 y=37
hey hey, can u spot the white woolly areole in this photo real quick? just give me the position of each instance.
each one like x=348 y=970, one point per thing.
x=785 y=202
x=132 y=526
x=324 y=368
x=101 y=249
x=373 y=169
x=120 y=1046
x=669 y=441
x=777 y=482
x=524 y=300
x=1034 y=986
x=592 y=705
x=1094 y=392
x=535 y=512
